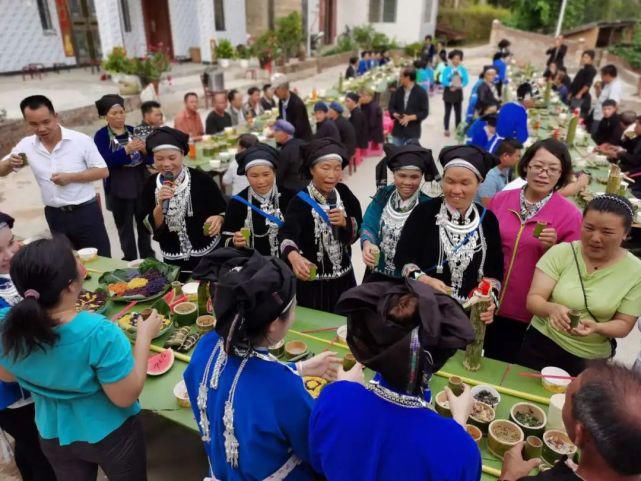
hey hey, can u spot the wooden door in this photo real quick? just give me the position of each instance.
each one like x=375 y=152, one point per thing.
x=158 y=26
x=85 y=30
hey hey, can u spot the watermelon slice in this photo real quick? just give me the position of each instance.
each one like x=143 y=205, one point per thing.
x=160 y=363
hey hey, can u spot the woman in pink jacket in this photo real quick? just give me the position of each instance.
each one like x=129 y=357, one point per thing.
x=531 y=220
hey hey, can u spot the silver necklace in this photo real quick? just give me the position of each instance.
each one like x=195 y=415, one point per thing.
x=323 y=233
x=403 y=400
x=392 y=221
x=268 y=204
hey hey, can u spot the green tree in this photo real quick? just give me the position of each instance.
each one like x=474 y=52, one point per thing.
x=289 y=32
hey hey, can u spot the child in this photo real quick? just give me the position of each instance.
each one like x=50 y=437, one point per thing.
x=501 y=73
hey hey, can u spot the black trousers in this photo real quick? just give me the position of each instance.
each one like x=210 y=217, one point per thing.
x=503 y=339
x=127 y=213
x=499 y=89
x=539 y=351
x=84 y=226
x=30 y=460
x=121 y=455
x=457 y=114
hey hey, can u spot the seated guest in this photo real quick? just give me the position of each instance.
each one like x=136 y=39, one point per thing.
x=291 y=107
x=267 y=101
x=363 y=64
x=152 y=116
x=600 y=415
x=183 y=206
x=550 y=72
x=391 y=206
x=487 y=92
x=345 y=128
x=351 y=68
x=374 y=115
x=609 y=129
x=325 y=127
x=235 y=109
x=254 y=303
x=188 y=120
x=512 y=119
x=546 y=168
x=231 y=177
x=595 y=276
x=628 y=155
x=359 y=122
x=77 y=365
x=482 y=132
x=288 y=175
x=218 y=119
x=321 y=224
x=385 y=430
x=561 y=83
x=509 y=154
x=252 y=107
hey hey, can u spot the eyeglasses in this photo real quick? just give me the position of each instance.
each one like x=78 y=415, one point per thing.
x=539 y=169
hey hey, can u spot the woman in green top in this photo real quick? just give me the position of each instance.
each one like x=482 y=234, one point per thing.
x=78 y=366
x=594 y=276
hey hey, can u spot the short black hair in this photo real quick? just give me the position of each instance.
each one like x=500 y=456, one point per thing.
x=148 y=106
x=353 y=60
x=508 y=146
x=557 y=149
x=610 y=70
x=590 y=53
x=454 y=53
x=247 y=140
x=409 y=72
x=524 y=89
x=252 y=90
x=266 y=87
x=231 y=94
x=504 y=43
x=428 y=37
x=628 y=117
x=189 y=94
x=497 y=56
x=34 y=102
x=613 y=204
x=609 y=103
x=363 y=53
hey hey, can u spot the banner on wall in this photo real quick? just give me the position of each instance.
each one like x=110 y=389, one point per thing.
x=65 y=28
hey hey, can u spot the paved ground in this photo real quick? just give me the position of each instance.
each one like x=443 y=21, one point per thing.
x=173 y=452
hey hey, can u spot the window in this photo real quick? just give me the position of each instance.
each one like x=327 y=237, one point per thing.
x=427 y=17
x=45 y=15
x=126 y=17
x=219 y=15
x=382 y=11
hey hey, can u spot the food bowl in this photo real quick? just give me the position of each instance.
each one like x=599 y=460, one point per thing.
x=205 y=323
x=533 y=448
x=191 y=291
x=442 y=405
x=278 y=349
x=456 y=385
x=503 y=435
x=295 y=349
x=341 y=333
x=486 y=394
x=475 y=432
x=529 y=417
x=180 y=393
x=556 y=444
x=224 y=157
x=214 y=163
x=482 y=415
x=555 y=385
x=87 y=254
x=185 y=313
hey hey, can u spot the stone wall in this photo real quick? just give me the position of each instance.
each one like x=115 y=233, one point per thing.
x=257 y=13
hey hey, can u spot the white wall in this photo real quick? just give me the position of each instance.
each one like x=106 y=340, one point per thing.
x=135 y=41
x=185 y=30
x=235 y=24
x=22 y=40
x=351 y=13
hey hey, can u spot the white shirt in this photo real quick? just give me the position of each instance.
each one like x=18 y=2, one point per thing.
x=613 y=91
x=237 y=182
x=515 y=184
x=76 y=152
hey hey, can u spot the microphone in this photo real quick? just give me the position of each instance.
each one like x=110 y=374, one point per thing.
x=332 y=201
x=167 y=179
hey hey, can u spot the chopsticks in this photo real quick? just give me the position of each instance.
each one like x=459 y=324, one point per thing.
x=320 y=329
x=546 y=376
x=124 y=311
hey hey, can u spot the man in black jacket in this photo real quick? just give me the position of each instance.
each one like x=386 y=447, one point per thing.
x=357 y=119
x=291 y=107
x=345 y=128
x=557 y=53
x=408 y=107
x=289 y=158
x=325 y=127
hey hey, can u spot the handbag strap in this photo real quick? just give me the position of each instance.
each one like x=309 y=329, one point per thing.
x=578 y=271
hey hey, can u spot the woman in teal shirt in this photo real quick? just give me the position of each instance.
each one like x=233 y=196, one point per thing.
x=79 y=367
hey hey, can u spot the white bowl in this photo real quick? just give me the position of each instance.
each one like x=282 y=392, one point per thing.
x=484 y=387
x=341 y=332
x=87 y=254
x=214 y=163
x=180 y=393
x=555 y=385
x=191 y=290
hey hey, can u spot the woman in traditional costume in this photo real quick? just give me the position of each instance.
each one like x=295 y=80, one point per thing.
x=392 y=205
x=184 y=208
x=258 y=207
x=321 y=224
x=404 y=331
x=452 y=243
x=252 y=411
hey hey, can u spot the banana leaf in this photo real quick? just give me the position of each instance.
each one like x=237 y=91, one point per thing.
x=163 y=309
x=124 y=275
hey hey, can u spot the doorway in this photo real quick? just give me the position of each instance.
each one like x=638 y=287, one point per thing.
x=84 y=27
x=158 y=26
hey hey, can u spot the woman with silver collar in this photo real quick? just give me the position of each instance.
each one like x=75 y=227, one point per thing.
x=184 y=208
x=257 y=210
x=392 y=205
x=452 y=243
x=321 y=224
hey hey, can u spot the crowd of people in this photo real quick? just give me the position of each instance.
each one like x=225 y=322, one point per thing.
x=69 y=382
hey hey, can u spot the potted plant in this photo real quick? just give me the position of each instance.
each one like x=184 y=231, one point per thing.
x=151 y=67
x=289 y=32
x=243 y=53
x=265 y=48
x=225 y=52
x=122 y=70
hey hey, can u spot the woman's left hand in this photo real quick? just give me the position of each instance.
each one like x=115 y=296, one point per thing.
x=215 y=223
x=548 y=237
x=585 y=328
x=337 y=217
x=323 y=365
x=488 y=316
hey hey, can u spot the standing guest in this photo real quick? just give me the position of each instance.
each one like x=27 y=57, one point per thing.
x=600 y=415
x=218 y=119
x=291 y=108
x=504 y=48
x=512 y=119
x=509 y=154
x=267 y=100
x=184 y=206
x=609 y=129
x=231 y=176
x=499 y=64
x=254 y=303
x=441 y=65
x=359 y=122
x=345 y=128
x=557 y=53
x=595 y=276
x=579 y=94
x=424 y=75
x=288 y=175
x=404 y=332
x=454 y=80
x=487 y=94
x=152 y=116
x=258 y=164
x=363 y=64
x=127 y=160
x=16 y=405
x=451 y=243
x=392 y=205
x=482 y=132
x=428 y=51
x=325 y=127
x=351 y=68
x=546 y=168
x=321 y=224
x=235 y=110
x=65 y=163
x=374 y=115
x=408 y=106
x=611 y=90
x=77 y=365
x=188 y=120
x=471 y=104
x=252 y=107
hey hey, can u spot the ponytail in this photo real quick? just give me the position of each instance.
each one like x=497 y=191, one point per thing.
x=27 y=327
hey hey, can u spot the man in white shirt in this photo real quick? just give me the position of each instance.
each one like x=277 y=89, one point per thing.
x=65 y=163
x=610 y=90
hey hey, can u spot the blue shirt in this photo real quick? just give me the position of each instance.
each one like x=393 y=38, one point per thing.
x=271 y=415
x=363 y=66
x=495 y=180
x=65 y=379
x=449 y=72
x=501 y=70
x=477 y=134
x=512 y=122
x=356 y=435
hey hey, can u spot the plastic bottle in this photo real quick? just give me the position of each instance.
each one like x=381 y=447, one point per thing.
x=574 y=122
x=192 y=149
